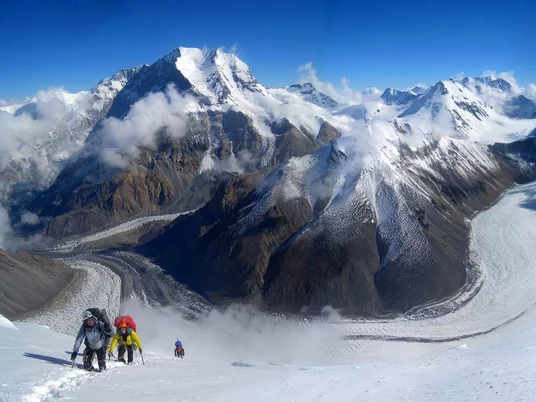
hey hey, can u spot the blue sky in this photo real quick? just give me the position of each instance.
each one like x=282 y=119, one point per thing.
x=372 y=43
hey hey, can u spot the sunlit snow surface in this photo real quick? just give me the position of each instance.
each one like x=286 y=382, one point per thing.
x=237 y=357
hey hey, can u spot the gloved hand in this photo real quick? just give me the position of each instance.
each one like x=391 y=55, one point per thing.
x=141 y=351
x=106 y=327
x=73 y=355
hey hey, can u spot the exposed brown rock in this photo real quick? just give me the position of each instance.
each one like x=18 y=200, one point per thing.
x=28 y=282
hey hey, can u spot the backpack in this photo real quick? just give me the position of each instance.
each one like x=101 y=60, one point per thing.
x=126 y=319
x=178 y=343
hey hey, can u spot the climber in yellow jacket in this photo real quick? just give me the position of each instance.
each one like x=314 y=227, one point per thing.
x=126 y=337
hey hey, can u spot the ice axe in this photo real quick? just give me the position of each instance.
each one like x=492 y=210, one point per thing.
x=141 y=355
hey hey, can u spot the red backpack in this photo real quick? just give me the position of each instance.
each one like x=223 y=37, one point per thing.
x=126 y=319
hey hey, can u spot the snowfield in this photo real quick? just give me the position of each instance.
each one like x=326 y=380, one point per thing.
x=239 y=356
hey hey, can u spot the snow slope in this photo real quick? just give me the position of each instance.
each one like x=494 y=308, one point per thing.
x=237 y=356
x=35 y=366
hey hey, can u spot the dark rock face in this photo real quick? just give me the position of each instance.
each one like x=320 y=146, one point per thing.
x=153 y=78
x=159 y=180
x=327 y=133
x=209 y=246
x=251 y=242
x=290 y=142
x=88 y=195
x=302 y=225
x=524 y=151
x=239 y=129
x=314 y=268
x=28 y=282
x=520 y=107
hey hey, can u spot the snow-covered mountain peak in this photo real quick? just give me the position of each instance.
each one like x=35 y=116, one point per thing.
x=393 y=96
x=451 y=106
x=496 y=83
x=503 y=96
x=218 y=76
x=311 y=94
x=419 y=89
x=448 y=93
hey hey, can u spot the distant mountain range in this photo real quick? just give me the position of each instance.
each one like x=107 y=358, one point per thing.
x=300 y=200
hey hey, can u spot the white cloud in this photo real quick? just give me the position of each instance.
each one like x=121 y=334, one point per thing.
x=342 y=94
x=505 y=75
x=18 y=131
x=29 y=218
x=460 y=76
x=531 y=91
x=14 y=101
x=123 y=139
x=34 y=122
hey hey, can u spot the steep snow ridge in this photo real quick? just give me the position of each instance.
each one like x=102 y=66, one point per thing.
x=373 y=188
x=196 y=68
x=35 y=366
x=105 y=91
x=221 y=77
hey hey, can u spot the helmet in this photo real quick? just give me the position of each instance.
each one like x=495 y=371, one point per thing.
x=123 y=325
x=86 y=314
